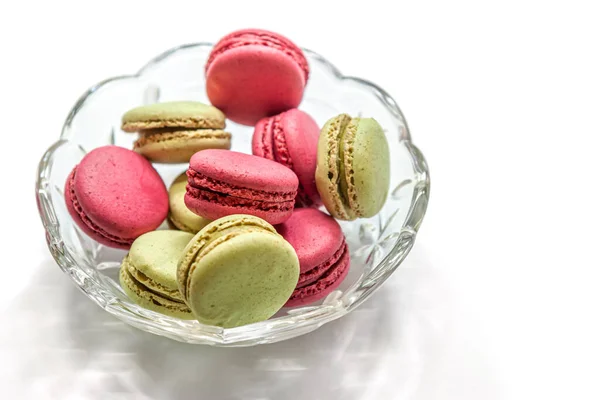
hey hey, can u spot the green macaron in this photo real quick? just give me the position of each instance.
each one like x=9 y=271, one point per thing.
x=172 y=132
x=149 y=272
x=353 y=167
x=236 y=271
x=180 y=217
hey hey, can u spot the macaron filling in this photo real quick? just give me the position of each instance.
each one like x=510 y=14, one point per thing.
x=234 y=201
x=253 y=38
x=183 y=122
x=87 y=221
x=212 y=190
x=345 y=157
x=340 y=141
x=150 y=136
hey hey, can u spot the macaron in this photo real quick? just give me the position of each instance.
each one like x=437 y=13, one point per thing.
x=222 y=182
x=236 y=271
x=180 y=217
x=322 y=253
x=253 y=73
x=115 y=195
x=353 y=167
x=291 y=139
x=148 y=272
x=172 y=132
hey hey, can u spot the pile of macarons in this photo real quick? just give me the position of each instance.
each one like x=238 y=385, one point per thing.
x=249 y=233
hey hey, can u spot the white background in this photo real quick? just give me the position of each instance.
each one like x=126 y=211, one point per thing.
x=502 y=299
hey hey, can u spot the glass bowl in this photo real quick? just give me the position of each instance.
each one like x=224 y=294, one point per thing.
x=378 y=245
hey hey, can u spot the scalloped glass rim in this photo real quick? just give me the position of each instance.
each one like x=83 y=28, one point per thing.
x=90 y=281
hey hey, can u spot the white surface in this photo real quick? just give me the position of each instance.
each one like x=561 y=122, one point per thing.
x=501 y=301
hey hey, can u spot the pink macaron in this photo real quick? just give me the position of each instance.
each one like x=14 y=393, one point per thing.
x=322 y=251
x=223 y=182
x=253 y=73
x=115 y=195
x=291 y=138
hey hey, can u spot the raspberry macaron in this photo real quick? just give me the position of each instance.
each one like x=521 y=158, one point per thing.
x=253 y=73
x=291 y=139
x=115 y=195
x=322 y=252
x=223 y=182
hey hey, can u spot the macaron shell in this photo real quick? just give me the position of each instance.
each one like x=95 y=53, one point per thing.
x=371 y=166
x=120 y=192
x=262 y=37
x=254 y=81
x=314 y=235
x=302 y=136
x=156 y=255
x=189 y=114
x=244 y=170
x=87 y=226
x=329 y=282
x=244 y=279
x=179 y=214
x=180 y=146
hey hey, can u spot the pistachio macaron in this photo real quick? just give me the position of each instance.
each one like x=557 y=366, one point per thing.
x=180 y=217
x=353 y=167
x=171 y=132
x=148 y=272
x=236 y=271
